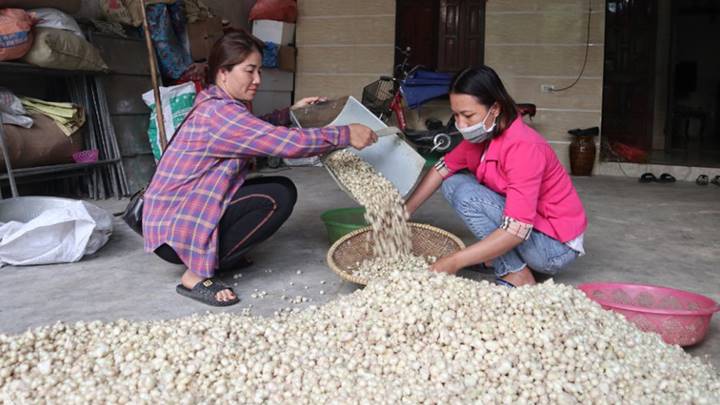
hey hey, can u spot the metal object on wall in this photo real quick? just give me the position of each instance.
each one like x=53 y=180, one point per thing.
x=129 y=77
x=107 y=173
x=6 y=156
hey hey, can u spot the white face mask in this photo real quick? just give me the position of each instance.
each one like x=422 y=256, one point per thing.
x=478 y=133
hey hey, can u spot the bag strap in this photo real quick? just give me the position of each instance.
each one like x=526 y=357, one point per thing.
x=192 y=110
x=187 y=116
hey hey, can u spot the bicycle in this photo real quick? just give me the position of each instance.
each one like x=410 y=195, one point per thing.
x=384 y=97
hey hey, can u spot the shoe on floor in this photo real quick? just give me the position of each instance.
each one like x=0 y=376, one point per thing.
x=647 y=178
x=504 y=283
x=666 y=178
x=206 y=292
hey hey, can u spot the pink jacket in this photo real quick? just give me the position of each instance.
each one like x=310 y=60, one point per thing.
x=521 y=166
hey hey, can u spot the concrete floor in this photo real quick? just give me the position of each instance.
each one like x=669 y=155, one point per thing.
x=650 y=233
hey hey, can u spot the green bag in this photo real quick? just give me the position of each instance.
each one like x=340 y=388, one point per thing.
x=177 y=102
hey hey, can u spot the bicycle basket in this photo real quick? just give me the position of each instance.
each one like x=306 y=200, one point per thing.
x=378 y=95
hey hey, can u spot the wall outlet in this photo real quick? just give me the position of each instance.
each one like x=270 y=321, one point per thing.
x=547 y=88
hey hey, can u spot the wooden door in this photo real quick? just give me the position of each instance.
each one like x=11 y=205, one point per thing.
x=461 y=34
x=628 y=83
x=416 y=27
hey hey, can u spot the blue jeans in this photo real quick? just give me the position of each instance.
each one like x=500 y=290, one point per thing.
x=482 y=211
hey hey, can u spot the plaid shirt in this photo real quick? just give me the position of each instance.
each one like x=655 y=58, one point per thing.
x=206 y=164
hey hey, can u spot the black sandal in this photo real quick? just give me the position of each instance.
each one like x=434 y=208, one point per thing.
x=702 y=180
x=206 y=292
x=647 y=178
x=504 y=283
x=716 y=180
x=666 y=178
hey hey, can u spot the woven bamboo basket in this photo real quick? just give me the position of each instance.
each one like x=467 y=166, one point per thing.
x=355 y=247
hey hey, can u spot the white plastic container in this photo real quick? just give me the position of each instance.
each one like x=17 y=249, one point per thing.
x=391 y=155
x=279 y=32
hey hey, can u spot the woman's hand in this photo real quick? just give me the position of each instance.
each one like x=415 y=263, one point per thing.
x=431 y=182
x=408 y=213
x=308 y=101
x=361 y=136
x=494 y=245
x=447 y=264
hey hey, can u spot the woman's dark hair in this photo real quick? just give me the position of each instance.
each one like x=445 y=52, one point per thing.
x=231 y=49
x=484 y=84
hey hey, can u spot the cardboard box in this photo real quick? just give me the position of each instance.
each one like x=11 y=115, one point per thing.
x=279 y=32
x=266 y=102
x=277 y=80
x=202 y=35
x=286 y=58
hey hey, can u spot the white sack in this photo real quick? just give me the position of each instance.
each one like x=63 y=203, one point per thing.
x=58 y=235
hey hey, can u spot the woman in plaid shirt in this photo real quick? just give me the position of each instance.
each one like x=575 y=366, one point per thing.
x=199 y=208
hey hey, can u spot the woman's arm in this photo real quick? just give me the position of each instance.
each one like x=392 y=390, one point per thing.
x=496 y=244
x=282 y=117
x=429 y=184
x=235 y=133
x=278 y=117
x=445 y=167
x=524 y=166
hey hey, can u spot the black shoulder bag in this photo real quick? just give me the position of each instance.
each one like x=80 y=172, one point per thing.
x=134 y=210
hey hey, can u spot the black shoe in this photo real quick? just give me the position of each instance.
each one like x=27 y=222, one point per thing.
x=647 y=178
x=666 y=178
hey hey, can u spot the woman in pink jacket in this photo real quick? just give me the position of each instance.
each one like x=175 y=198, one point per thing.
x=506 y=183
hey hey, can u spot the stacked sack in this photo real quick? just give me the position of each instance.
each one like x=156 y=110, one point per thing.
x=43 y=33
x=273 y=22
x=36 y=133
x=15 y=33
x=46 y=36
x=128 y=12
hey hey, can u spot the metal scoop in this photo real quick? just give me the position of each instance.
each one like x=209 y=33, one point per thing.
x=387 y=131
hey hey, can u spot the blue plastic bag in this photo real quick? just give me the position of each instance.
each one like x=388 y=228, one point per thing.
x=270 y=55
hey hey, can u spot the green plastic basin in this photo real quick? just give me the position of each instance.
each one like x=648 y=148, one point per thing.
x=342 y=221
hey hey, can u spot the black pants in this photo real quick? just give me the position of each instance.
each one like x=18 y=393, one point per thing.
x=256 y=211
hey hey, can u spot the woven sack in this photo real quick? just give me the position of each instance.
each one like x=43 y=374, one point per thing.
x=15 y=33
x=59 y=49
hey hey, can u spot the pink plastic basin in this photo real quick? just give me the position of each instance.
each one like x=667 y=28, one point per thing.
x=680 y=317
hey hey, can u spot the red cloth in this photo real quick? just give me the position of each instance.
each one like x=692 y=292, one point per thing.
x=278 y=10
x=196 y=73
